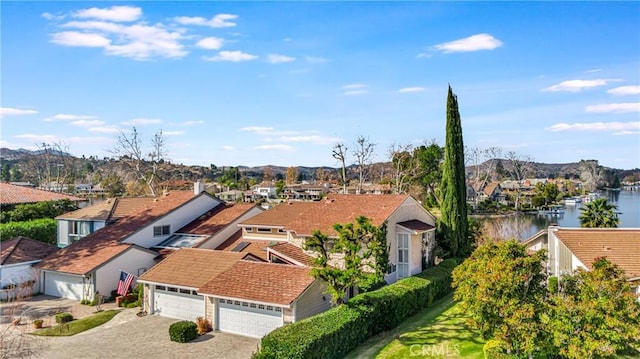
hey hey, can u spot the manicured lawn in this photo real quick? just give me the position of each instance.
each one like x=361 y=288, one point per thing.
x=437 y=332
x=78 y=326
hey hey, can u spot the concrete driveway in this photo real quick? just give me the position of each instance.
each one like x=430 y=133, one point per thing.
x=127 y=335
x=147 y=337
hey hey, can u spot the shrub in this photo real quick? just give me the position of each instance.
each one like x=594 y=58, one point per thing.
x=204 y=326
x=133 y=304
x=30 y=211
x=183 y=331
x=43 y=230
x=63 y=318
x=494 y=349
x=553 y=285
x=336 y=332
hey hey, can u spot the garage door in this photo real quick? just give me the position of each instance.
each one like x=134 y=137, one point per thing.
x=63 y=285
x=250 y=319
x=178 y=303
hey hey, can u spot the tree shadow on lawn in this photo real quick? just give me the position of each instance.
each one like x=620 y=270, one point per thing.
x=449 y=326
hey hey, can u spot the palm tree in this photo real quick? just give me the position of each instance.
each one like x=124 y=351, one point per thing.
x=599 y=214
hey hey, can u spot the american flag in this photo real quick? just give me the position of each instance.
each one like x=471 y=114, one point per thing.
x=124 y=283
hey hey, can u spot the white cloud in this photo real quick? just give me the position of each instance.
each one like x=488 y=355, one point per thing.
x=626 y=133
x=228 y=148
x=468 y=44
x=411 y=89
x=173 y=133
x=259 y=130
x=315 y=139
x=353 y=86
x=138 y=41
x=279 y=59
x=105 y=129
x=614 y=107
x=577 y=85
x=625 y=90
x=114 y=13
x=142 y=121
x=355 y=92
x=37 y=138
x=596 y=126
x=231 y=56
x=68 y=117
x=190 y=123
x=87 y=123
x=80 y=39
x=8 y=111
x=593 y=71
x=50 y=16
x=210 y=43
x=274 y=147
x=423 y=55
x=220 y=20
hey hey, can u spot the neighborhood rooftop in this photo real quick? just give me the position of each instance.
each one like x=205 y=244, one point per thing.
x=620 y=246
x=23 y=249
x=12 y=194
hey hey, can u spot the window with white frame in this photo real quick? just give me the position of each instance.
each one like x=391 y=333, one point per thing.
x=78 y=229
x=161 y=231
x=403 y=255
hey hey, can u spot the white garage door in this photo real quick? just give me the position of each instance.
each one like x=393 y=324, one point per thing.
x=250 y=319
x=63 y=285
x=178 y=303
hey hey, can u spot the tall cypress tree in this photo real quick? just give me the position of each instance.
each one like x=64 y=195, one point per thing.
x=454 y=225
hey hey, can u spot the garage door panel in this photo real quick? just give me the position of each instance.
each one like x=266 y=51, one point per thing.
x=63 y=285
x=248 y=321
x=179 y=306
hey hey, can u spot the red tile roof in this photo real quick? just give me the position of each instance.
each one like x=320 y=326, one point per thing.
x=216 y=219
x=83 y=256
x=12 y=194
x=620 y=246
x=416 y=225
x=191 y=267
x=305 y=217
x=256 y=248
x=23 y=249
x=111 y=209
x=261 y=282
x=287 y=250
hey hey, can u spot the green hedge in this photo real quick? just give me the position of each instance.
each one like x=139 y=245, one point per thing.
x=43 y=230
x=336 y=332
x=63 y=318
x=183 y=331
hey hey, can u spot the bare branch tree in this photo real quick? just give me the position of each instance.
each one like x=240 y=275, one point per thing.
x=143 y=166
x=340 y=154
x=520 y=168
x=403 y=166
x=363 y=155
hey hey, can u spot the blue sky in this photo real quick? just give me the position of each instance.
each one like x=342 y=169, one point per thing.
x=255 y=83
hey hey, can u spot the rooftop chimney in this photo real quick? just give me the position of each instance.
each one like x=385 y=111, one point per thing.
x=198 y=187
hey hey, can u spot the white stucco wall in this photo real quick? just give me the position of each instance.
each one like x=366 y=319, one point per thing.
x=130 y=261
x=176 y=220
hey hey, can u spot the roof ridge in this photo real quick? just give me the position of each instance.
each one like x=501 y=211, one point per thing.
x=19 y=239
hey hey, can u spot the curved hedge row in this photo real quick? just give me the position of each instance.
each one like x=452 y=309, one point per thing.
x=336 y=332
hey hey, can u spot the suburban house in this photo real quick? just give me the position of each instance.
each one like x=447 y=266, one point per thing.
x=410 y=227
x=304 y=191
x=17 y=257
x=94 y=263
x=572 y=248
x=266 y=189
x=74 y=225
x=236 y=291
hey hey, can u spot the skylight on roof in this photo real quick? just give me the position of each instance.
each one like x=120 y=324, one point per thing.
x=182 y=241
x=240 y=247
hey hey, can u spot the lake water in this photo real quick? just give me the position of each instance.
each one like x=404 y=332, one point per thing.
x=524 y=226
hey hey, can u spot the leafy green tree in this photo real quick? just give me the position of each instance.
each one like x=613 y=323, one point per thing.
x=501 y=286
x=5 y=173
x=594 y=315
x=31 y=211
x=113 y=185
x=358 y=257
x=429 y=160
x=453 y=186
x=599 y=214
